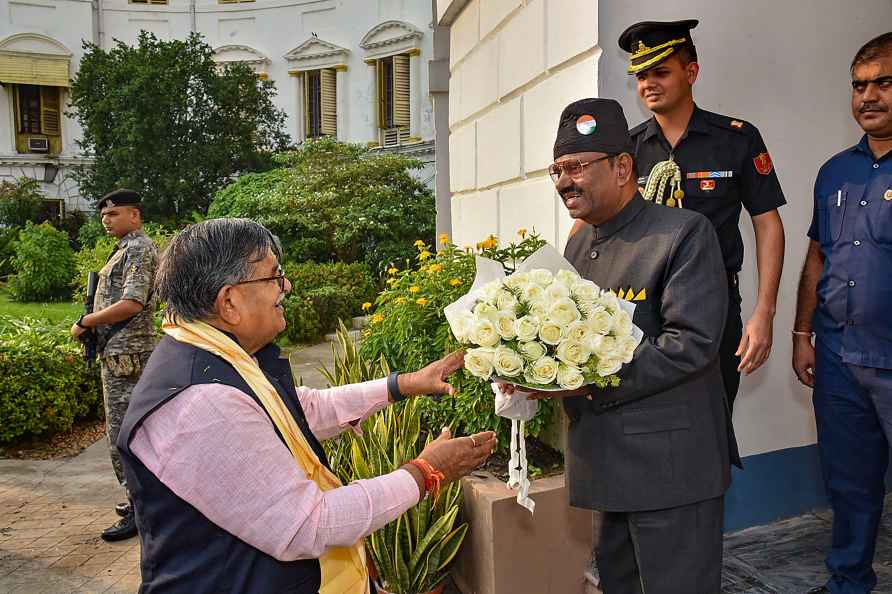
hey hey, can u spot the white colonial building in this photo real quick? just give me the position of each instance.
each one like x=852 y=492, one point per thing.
x=353 y=69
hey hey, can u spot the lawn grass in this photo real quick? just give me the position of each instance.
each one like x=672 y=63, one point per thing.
x=53 y=313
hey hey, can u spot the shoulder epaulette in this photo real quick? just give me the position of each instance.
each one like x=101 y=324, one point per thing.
x=639 y=128
x=728 y=123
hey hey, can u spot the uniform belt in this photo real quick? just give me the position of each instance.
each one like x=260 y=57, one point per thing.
x=733 y=280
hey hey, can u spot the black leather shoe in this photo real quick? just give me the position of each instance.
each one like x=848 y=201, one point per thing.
x=123 y=509
x=125 y=528
x=819 y=590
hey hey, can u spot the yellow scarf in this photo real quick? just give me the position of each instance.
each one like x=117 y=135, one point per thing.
x=343 y=568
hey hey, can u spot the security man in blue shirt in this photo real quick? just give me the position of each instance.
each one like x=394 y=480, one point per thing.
x=845 y=293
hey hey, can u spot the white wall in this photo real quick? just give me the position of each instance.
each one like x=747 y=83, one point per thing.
x=514 y=65
x=785 y=69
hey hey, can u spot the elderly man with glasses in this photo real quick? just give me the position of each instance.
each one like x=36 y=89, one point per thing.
x=231 y=488
x=652 y=454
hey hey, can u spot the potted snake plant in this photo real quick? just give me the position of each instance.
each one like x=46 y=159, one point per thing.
x=412 y=554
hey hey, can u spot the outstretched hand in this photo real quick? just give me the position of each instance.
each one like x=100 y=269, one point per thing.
x=432 y=378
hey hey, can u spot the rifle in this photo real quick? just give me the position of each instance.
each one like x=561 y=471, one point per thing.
x=89 y=338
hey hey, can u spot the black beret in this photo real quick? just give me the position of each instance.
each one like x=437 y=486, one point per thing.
x=652 y=42
x=121 y=197
x=593 y=125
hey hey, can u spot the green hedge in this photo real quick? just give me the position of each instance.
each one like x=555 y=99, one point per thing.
x=323 y=293
x=43 y=264
x=46 y=385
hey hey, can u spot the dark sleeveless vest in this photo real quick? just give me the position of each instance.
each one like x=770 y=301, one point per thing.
x=183 y=551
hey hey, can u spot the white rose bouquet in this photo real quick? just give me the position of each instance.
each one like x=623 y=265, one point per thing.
x=546 y=331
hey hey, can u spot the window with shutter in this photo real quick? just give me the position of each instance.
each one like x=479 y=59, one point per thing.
x=312 y=104
x=401 y=91
x=50 y=117
x=28 y=108
x=329 y=101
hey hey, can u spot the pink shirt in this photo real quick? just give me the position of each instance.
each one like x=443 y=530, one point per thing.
x=216 y=448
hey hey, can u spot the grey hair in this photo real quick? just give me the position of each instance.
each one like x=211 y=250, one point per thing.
x=205 y=257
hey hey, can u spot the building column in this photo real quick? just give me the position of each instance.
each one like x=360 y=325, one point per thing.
x=372 y=94
x=415 y=94
x=342 y=103
x=299 y=132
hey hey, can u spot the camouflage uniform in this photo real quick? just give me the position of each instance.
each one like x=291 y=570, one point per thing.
x=128 y=274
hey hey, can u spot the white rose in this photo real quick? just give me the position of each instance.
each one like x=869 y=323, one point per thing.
x=569 y=377
x=580 y=331
x=542 y=371
x=622 y=323
x=478 y=362
x=587 y=308
x=533 y=293
x=541 y=277
x=485 y=311
x=507 y=362
x=564 y=312
x=505 y=325
x=463 y=324
x=532 y=350
x=490 y=290
x=526 y=328
x=539 y=309
x=484 y=333
x=586 y=291
x=505 y=300
x=572 y=352
x=566 y=277
x=600 y=320
x=608 y=300
x=609 y=366
x=627 y=346
x=517 y=280
x=550 y=332
x=605 y=347
x=556 y=291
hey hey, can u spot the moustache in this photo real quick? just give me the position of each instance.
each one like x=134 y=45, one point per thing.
x=574 y=189
x=869 y=107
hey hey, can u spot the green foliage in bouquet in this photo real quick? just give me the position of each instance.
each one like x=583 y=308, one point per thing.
x=409 y=330
x=411 y=554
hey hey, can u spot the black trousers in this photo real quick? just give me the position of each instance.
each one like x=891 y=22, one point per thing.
x=670 y=551
x=730 y=341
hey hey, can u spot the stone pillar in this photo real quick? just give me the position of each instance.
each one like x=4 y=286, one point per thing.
x=415 y=92
x=371 y=131
x=299 y=132
x=342 y=103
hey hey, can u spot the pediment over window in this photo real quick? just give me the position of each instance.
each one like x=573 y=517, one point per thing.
x=315 y=53
x=240 y=53
x=33 y=59
x=32 y=43
x=390 y=38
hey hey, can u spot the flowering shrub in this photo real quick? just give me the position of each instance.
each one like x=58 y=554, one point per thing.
x=408 y=328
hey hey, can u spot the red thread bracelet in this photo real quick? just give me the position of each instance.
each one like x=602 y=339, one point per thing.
x=433 y=478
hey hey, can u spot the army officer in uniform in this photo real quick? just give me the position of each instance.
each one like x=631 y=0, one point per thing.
x=652 y=454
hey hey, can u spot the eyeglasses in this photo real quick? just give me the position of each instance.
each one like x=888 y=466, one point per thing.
x=572 y=167
x=279 y=277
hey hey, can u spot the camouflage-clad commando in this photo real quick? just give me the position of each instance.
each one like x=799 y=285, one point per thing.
x=123 y=321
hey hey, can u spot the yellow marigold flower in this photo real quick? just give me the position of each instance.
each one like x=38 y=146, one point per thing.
x=390 y=281
x=366 y=306
x=444 y=239
x=490 y=242
x=522 y=232
x=424 y=255
x=414 y=289
x=393 y=270
x=419 y=243
x=422 y=269
x=377 y=318
x=456 y=282
x=435 y=268
x=421 y=301
x=400 y=300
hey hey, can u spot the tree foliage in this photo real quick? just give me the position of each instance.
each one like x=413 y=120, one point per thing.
x=337 y=202
x=163 y=118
